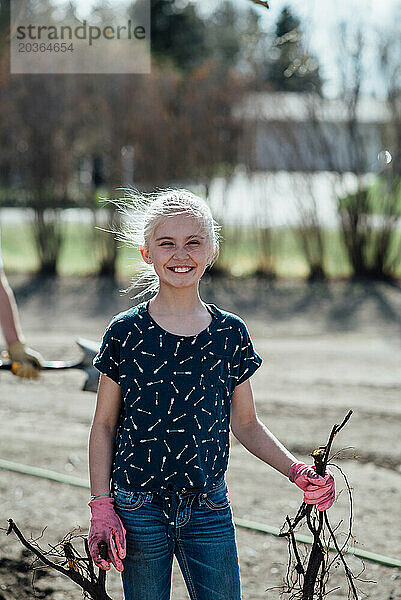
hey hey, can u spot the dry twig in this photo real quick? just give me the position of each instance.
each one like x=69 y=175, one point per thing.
x=265 y=4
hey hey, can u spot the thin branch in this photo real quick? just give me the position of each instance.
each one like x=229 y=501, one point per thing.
x=40 y=555
x=340 y=554
x=261 y=2
x=78 y=566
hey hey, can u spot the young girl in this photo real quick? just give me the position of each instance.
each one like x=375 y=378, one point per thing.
x=174 y=377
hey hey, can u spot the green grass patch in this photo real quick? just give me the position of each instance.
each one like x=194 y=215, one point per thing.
x=239 y=253
x=18 y=249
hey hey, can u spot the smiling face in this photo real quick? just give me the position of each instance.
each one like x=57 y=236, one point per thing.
x=179 y=251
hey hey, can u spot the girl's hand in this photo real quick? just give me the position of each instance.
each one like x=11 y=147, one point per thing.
x=106 y=526
x=317 y=489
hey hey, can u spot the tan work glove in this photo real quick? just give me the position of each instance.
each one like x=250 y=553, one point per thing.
x=26 y=362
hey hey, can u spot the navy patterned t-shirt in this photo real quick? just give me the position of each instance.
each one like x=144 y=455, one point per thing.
x=173 y=429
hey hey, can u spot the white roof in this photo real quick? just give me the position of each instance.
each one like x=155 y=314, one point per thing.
x=293 y=106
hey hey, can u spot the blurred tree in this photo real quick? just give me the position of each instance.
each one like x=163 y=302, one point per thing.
x=107 y=105
x=38 y=146
x=255 y=46
x=180 y=126
x=292 y=67
x=370 y=216
x=185 y=40
x=224 y=40
x=178 y=35
x=4 y=41
x=193 y=116
x=369 y=220
x=4 y=24
x=389 y=43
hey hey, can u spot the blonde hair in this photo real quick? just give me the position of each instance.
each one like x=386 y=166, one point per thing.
x=142 y=213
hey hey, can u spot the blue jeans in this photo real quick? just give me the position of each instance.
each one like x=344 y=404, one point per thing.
x=197 y=528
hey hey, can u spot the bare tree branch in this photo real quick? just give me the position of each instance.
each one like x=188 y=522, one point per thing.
x=80 y=569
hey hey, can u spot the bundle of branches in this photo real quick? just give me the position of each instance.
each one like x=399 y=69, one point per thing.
x=70 y=563
x=307 y=579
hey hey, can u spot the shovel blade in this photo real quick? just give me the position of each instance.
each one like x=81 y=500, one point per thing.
x=89 y=349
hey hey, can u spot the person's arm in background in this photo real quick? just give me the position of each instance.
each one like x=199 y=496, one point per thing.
x=28 y=362
x=9 y=317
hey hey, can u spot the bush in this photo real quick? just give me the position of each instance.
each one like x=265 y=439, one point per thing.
x=369 y=220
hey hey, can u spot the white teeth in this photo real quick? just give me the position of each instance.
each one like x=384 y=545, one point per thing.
x=181 y=269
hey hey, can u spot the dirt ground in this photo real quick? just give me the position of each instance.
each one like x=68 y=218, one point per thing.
x=327 y=348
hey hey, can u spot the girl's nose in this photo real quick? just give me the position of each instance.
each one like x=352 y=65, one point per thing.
x=181 y=252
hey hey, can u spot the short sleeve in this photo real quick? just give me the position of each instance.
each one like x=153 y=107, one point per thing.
x=249 y=359
x=107 y=359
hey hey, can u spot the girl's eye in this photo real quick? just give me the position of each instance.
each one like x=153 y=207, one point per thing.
x=196 y=242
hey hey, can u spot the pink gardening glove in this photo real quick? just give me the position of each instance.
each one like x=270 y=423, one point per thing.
x=106 y=526
x=317 y=489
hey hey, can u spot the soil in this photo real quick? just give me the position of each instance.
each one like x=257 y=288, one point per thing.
x=326 y=348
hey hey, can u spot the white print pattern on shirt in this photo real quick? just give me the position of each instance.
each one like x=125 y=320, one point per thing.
x=200 y=382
